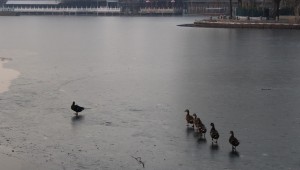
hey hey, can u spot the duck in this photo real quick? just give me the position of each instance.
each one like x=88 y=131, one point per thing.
x=233 y=141
x=76 y=108
x=197 y=121
x=200 y=127
x=189 y=119
x=214 y=134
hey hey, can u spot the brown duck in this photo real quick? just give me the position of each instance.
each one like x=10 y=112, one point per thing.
x=200 y=127
x=189 y=119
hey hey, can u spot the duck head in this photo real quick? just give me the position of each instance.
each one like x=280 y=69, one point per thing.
x=231 y=132
x=212 y=124
x=195 y=115
x=187 y=111
x=73 y=103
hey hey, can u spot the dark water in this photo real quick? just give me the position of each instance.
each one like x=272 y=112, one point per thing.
x=138 y=75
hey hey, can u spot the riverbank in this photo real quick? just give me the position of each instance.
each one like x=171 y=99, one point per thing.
x=6 y=75
x=257 y=24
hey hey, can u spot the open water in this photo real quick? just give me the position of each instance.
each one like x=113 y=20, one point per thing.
x=138 y=75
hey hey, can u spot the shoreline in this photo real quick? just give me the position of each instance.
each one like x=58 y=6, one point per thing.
x=6 y=75
x=212 y=23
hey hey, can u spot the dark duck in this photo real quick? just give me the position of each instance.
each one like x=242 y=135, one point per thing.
x=214 y=134
x=189 y=119
x=76 y=108
x=233 y=141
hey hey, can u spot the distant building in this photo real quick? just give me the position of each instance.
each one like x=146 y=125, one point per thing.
x=204 y=7
x=61 y=3
x=37 y=3
x=208 y=7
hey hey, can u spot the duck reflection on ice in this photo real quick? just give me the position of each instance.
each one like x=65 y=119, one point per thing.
x=214 y=147
x=202 y=140
x=189 y=130
x=234 y=154
x=77 y=119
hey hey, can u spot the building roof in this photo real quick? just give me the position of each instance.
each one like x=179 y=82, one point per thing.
x=211 y=1
x=33 y=2
x=112 y=0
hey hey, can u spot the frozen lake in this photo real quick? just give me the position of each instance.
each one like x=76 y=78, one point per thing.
x=138 y=75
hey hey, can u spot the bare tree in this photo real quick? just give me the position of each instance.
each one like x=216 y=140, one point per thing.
x=230 y=9
x=276 y=8
x=296 y=9
x=294 y=4
x=239 y=3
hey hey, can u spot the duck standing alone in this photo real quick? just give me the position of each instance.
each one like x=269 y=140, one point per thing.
x=76 y=108
x=214 y=133
x=233 y=141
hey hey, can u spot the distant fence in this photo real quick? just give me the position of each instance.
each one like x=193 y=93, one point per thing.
x=215 y=11
x=253 y=12
x=74 y=11
x=160 y=11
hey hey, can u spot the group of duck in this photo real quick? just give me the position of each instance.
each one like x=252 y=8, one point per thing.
x=200 y=128
x=196 y=122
